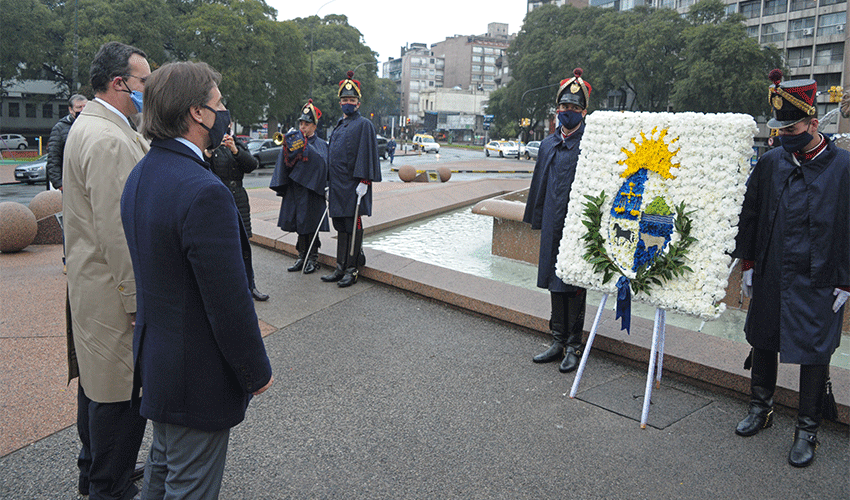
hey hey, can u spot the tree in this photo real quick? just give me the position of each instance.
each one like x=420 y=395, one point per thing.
x=25 y=25
x=722 y=69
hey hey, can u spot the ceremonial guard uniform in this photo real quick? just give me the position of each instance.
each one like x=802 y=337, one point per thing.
x=546 y=209
x=301 y=178
x=794 y=238
x=353 y=165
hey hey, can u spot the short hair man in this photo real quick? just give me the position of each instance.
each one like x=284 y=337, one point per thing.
x=58 y=136
x=546 y=208
x=353 y=166
x=101 y=149
x=794 y=239
x=198 y=349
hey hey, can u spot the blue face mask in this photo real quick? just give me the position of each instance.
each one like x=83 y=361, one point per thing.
x=349 y=109
x=135 y=96
x=795 y=143
x=569 y=119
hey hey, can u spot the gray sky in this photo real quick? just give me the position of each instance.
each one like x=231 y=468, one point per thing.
x=388 y=25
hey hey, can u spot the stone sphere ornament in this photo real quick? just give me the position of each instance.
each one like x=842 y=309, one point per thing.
x=445 y=173
x=18 y=227
x=407 y=173
x=46 y=203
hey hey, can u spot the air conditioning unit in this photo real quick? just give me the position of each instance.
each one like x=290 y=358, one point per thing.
x=840 y=28
x=808 y=32
x=806 y=61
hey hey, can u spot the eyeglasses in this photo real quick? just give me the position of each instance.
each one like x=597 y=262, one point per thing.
x=141 y=79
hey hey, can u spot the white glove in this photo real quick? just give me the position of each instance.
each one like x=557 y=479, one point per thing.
x=747 y=283
x=361 y=189
x=327 y=193
x=840 y=299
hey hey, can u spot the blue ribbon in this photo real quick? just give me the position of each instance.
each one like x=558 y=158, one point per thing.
x=624 y=303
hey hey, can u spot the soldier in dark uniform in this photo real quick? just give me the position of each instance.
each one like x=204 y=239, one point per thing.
x=546 y=208
x=353 y=166
x=794 y=239
x=301 y=177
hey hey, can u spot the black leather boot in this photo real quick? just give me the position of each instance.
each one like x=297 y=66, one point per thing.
x=762 y=387
x=574 y=306
x=355 y=256
x=555 y=351
x=343 y=242
x=812 y=390
x=312 y=262
x=301 y=247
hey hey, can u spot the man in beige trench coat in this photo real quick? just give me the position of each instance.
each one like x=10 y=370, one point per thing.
x=101 y=150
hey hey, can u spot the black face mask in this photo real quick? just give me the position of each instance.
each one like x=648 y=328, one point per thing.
x=795 y=143
x=219 y=127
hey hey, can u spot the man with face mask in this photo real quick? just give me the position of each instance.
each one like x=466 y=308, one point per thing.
x=546 y=208
x=198 y=349
x=58 y=136
x=101 y=149
x=794 y=240
x=353 y=166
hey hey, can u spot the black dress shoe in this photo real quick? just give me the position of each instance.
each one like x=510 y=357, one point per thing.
x=260 y=297
x=756 y=420
x=297 y=266
x=803 y=450
x=349 y=279
x=334 y=276
x=310 y=267
x=572 y=357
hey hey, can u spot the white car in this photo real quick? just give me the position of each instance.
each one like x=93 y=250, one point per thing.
x=501 y=148
x=13 y=141
x=426 y=143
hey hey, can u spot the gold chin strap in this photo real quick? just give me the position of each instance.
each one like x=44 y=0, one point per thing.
x=779 y=91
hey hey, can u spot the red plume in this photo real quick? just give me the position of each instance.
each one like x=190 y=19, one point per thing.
x=578 y=72
x=775 y=76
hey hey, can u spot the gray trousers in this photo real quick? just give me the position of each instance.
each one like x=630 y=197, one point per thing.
x=184 y=463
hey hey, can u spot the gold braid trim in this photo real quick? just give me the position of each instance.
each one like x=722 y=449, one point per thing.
x=810 y=110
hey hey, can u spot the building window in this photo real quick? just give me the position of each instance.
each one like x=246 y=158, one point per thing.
x=47 y=111
x=489 y=69
x=800 y=57
x=772 y=7
x=14 y=110
x=803 y=4
x=824 y=3
x=801 y=28
x=414 y=85
x=490 y=60
x=827 y=80
x=488 y=78
x=30 y=109
x=477 y=59
x=430 y=84
x=414 y=73
x=773 y=32
x=825 y=108
x=730 y=9
x=753 y=32
x=476 y=78
x=488 y=50
x=476 y=67
x=751 y=9
x=831 y=53
x=831 y=24
x=477 y=50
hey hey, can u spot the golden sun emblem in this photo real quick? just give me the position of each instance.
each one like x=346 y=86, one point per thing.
x=651 y=154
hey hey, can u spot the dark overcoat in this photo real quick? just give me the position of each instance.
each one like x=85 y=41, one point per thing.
x=352 y=156
x=303 y=189
x=795 y=226
x=197 y=350
x=231 y=169
x=548 y=197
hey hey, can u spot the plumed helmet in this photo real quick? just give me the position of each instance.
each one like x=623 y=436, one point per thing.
x=574 y=90
x=349 y=87
x=791 y=101
x=310 y=113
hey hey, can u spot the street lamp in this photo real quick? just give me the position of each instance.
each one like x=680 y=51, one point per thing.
x=522 y=99
x=312 y=30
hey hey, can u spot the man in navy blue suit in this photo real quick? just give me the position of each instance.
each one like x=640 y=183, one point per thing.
x=197 y=349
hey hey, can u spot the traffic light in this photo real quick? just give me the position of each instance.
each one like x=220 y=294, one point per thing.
x=371 y=116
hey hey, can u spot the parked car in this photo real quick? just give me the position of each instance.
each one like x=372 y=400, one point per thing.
x=501 y=148
x=32 y=172
x=265 y=151
x=382 y=147
x=13 y=141
x=426 y=143
x=531 y=149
